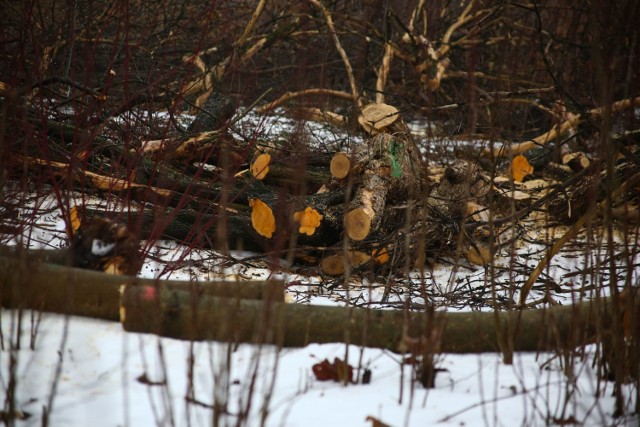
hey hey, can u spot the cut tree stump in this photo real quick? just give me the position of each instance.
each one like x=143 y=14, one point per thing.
x=340 y=165
x=377 y=118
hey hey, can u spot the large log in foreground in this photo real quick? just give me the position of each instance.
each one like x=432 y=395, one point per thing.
x=253 y=312
x=26 y=282
x=177 y=314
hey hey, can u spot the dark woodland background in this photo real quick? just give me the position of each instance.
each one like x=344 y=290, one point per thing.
x=507 y=66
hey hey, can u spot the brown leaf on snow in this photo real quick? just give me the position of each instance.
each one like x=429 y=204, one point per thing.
x=376 y=422
x=339 y=370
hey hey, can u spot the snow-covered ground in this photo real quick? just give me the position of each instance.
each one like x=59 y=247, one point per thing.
x=104 y=376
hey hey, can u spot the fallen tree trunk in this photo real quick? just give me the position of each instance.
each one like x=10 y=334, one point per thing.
x=254 y=312
x=176 y=314
x=25 y=282
x=196 y=225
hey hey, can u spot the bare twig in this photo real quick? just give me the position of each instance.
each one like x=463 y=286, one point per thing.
x=414 y=16
x=383 y=72
x=570 y=234
x=572 y=122
x=464 y=17
x=343 y=54
x=251 y=23
x=307 y=92
x=318 y=115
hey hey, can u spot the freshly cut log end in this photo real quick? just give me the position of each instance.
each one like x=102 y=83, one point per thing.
x=260 y=166
x=479 y=255
x=520 y=168
x=340 y=166
x=74 y=219
x=335 y=265
x=309 y=220
x=262 y=218
x=357 y=223
x=380 y=255
x=375 y=118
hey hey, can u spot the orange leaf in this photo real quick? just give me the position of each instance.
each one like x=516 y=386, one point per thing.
x=262 y=218
x=381 y=256
x=309 y=220
x=75 y=219
x=520 y=167
x=260 y=166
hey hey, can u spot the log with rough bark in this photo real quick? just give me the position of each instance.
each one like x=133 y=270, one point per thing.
x=201 y=207
x=253 y=312
x=388 y=171
x=594 y=185
x=176 y=314
x=456 y=200
x=245 y=226
x=28 y=282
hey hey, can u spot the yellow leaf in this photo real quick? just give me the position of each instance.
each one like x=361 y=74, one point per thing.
x=75 y=220
x=260 y=166
x=520 y=167
x=381 y=256
x=262 y=218
x=309 y=220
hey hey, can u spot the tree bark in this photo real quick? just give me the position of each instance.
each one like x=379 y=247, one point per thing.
x=388 y=171
x=26 y=282
x=254 y=312
x=176 y=314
